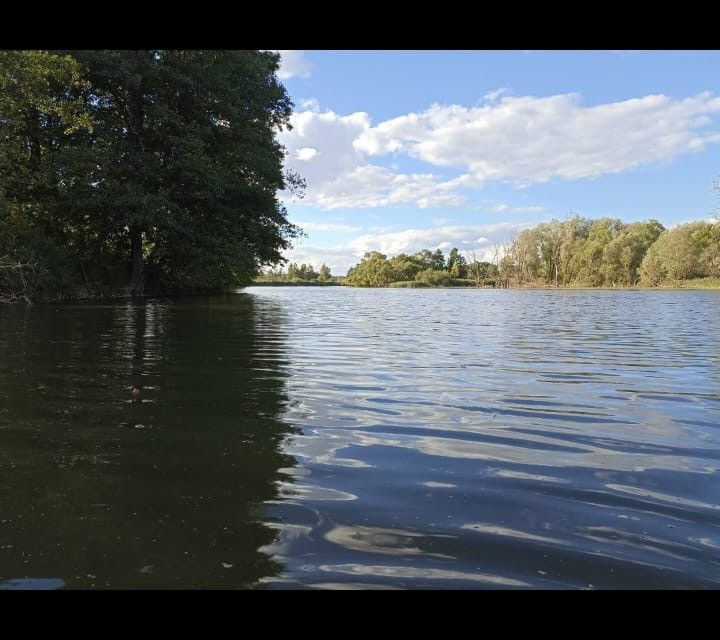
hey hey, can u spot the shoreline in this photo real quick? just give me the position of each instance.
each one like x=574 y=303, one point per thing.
x=127 y=298
x=512 y=288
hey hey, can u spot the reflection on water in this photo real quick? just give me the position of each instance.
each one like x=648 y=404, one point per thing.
x=100 y=488
x=335 y=438
x=495 y=439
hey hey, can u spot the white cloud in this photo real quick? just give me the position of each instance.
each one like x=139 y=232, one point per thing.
x=293 y=64
x=493 y=96
x=306 y=153
x=372 y=186
x=338 y=259
x=413 y=240
x=322 y=226
x=338 y=174
x=310 y=104
x=523 y=140
x=528 y=139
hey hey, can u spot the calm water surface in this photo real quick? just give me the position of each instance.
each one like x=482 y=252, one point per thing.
x=349 y=438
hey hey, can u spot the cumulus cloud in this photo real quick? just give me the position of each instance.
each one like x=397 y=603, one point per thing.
x=372 y=186
x=522 y=140
x=321 y=148
x=306 y=153
x=528 y=139
x=293 y=64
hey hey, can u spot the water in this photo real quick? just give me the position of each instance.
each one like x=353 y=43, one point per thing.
x=350 y=438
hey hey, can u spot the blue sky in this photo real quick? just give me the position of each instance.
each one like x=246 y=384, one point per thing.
x=405 y=150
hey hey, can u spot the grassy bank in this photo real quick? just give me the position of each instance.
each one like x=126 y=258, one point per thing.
x=416 y=284
x=694 y=283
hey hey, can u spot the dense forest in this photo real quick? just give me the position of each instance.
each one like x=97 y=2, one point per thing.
x=135 y=172
x=578 y=252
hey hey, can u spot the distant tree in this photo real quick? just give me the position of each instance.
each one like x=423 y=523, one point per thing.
x=684 y=252
x=623 y=255
x=324 y=274
x=307 y=272
x=456 y=264
x=374 y=270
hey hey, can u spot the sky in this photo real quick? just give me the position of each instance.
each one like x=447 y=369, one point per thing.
x=411 y=150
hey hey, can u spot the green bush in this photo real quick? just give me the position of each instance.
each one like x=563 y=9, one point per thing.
x=434 y=277
x=32 y=267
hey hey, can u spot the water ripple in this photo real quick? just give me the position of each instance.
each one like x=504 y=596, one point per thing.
x=543 y=438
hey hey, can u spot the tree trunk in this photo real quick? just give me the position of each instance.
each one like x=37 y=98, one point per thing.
x=137 y=279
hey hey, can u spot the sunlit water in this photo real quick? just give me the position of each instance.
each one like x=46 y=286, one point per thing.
x=349 y=438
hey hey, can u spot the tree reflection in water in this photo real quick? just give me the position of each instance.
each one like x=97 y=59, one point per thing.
x=103 y=487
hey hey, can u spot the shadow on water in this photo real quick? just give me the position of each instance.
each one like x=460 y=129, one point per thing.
x=103 y=487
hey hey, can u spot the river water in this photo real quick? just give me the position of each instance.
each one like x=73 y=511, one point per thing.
x=331 y=437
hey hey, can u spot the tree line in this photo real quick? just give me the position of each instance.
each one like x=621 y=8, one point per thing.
x=128 y=172
x=297 y=273
x=423 y=269
x=579 y=252
x=607 y=252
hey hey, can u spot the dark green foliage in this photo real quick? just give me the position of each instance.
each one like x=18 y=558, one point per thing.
x=32 y=266
x=155 y=166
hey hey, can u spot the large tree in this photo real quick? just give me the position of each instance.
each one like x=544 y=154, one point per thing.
x=182 y=170
x=41 y=108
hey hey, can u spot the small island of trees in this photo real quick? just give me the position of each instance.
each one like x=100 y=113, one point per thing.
x=423 y=269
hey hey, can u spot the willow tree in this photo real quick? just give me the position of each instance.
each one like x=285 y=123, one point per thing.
x=180 y=175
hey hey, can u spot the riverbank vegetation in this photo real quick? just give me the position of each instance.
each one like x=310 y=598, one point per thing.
x=136 y=172
x=422 y=269
x=606 y=252
x=578 y=252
